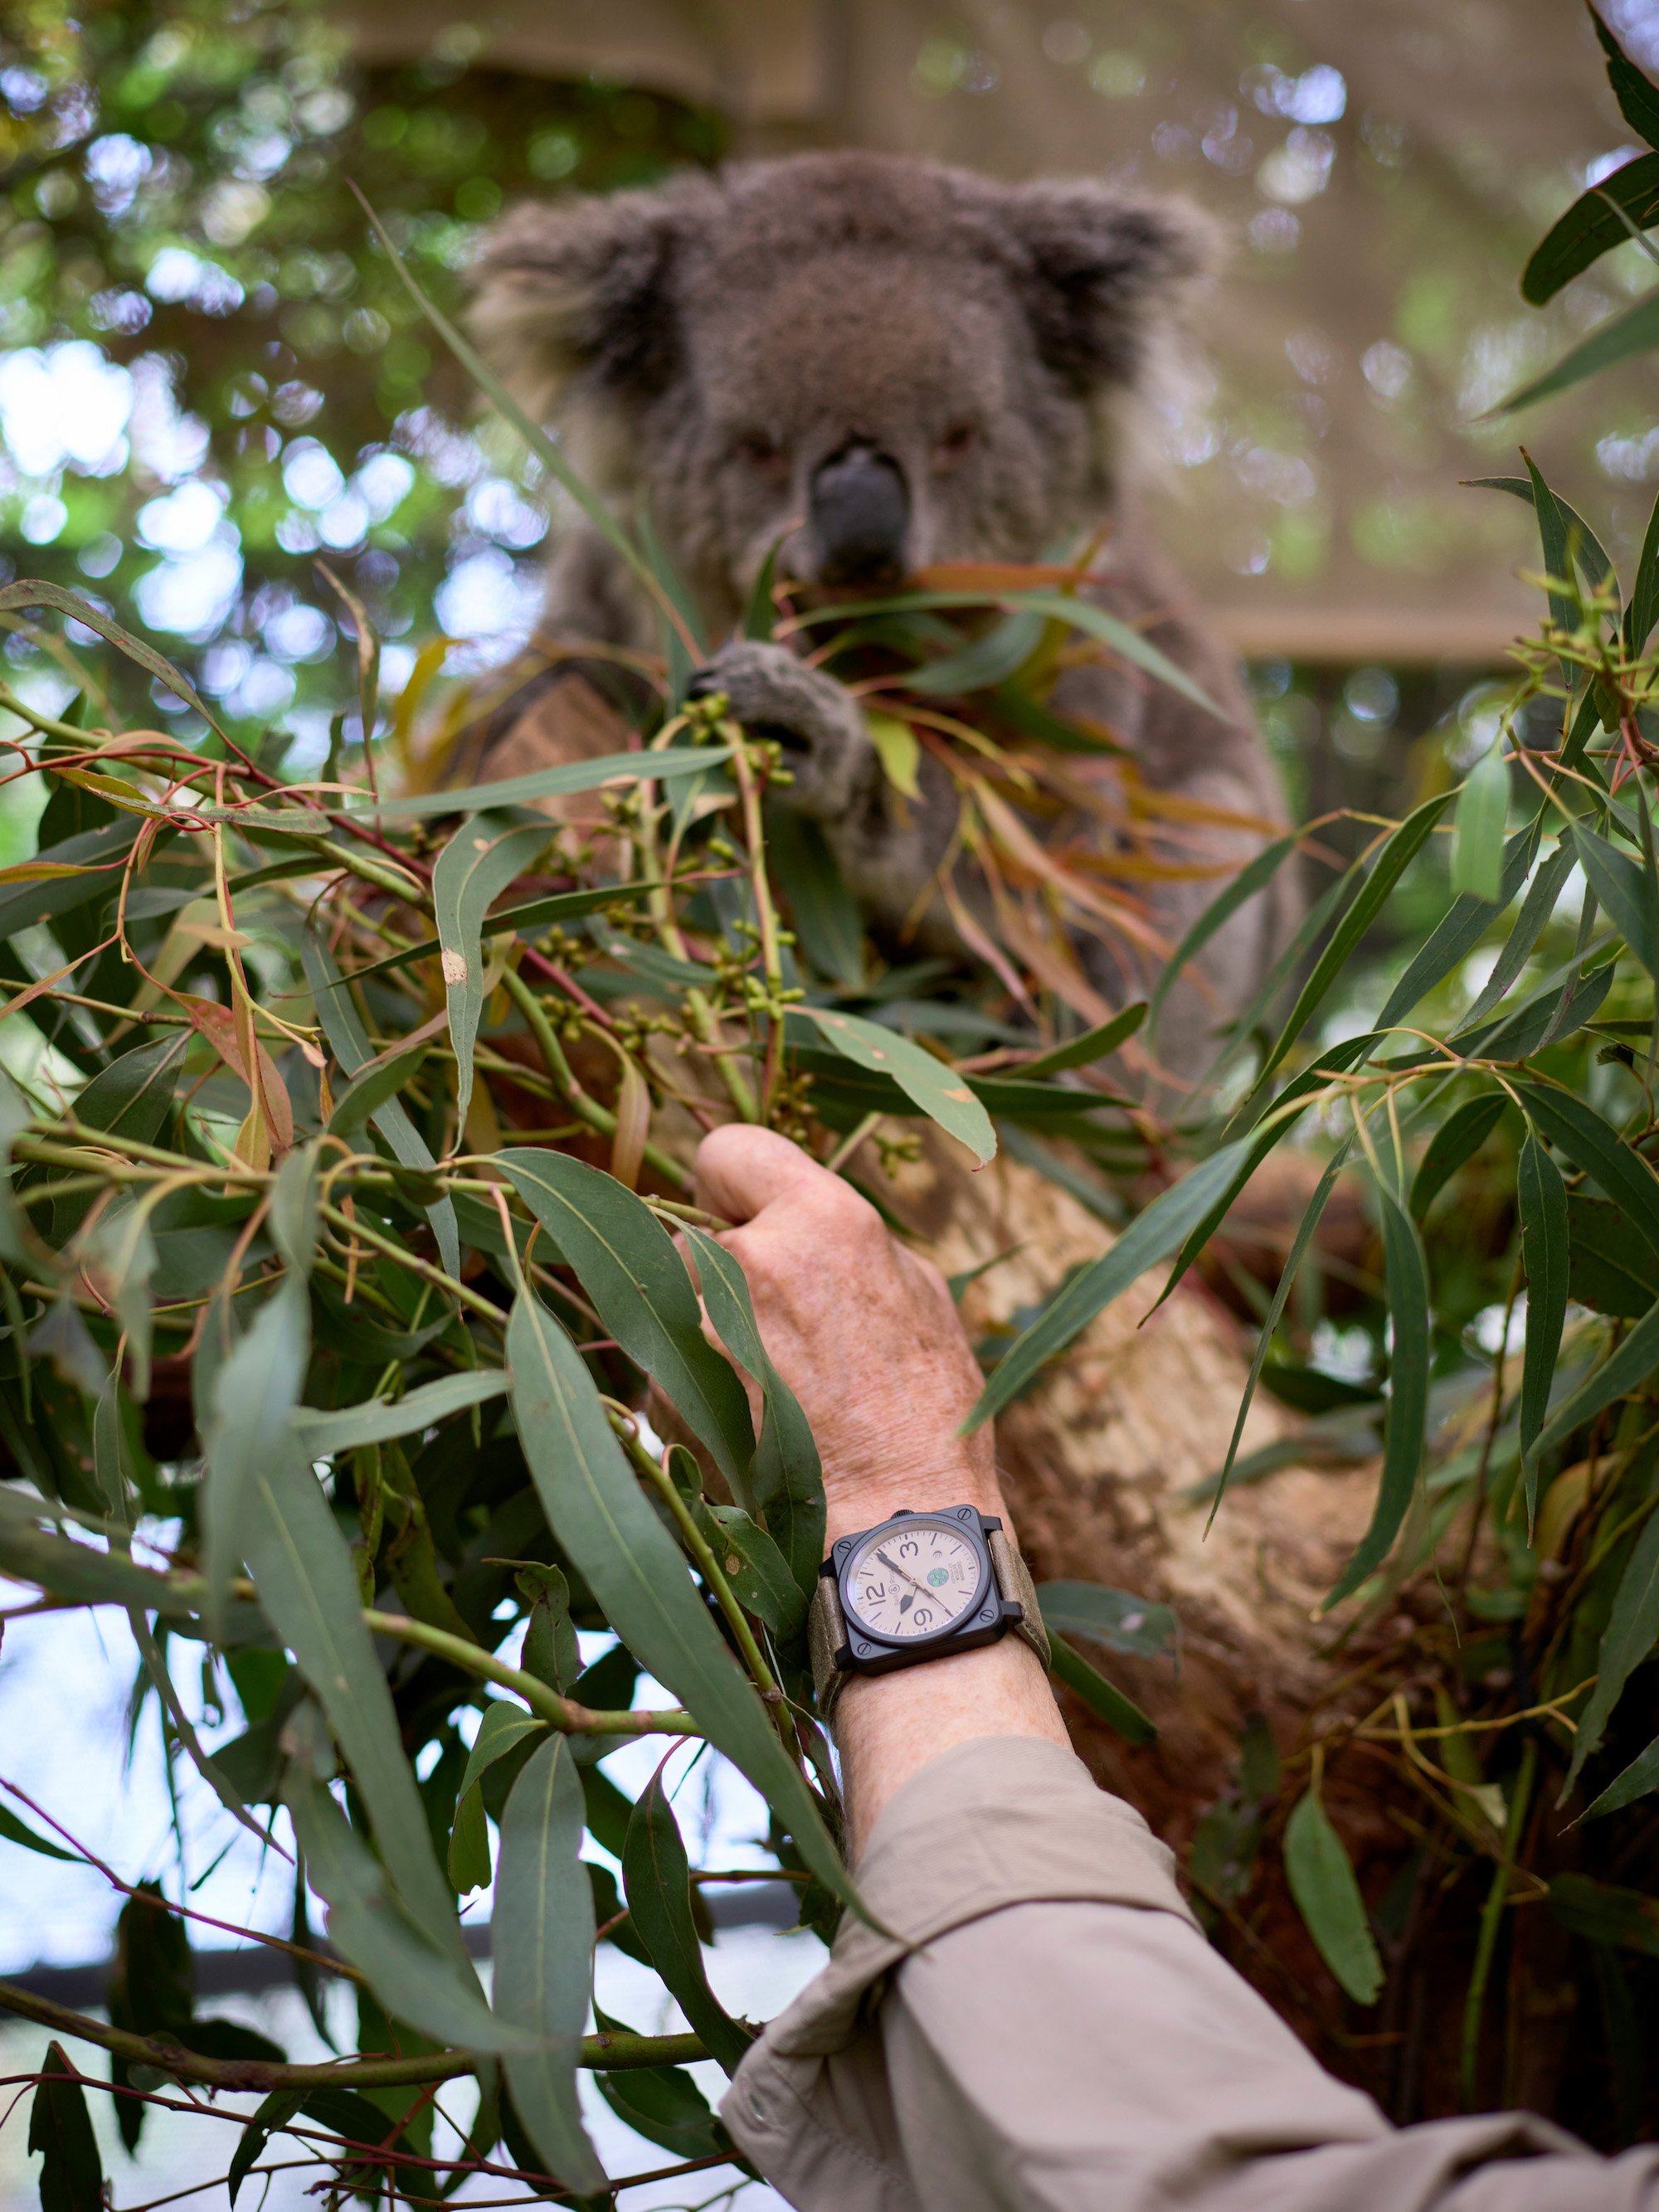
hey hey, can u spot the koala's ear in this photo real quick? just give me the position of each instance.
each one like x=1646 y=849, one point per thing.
x=1102 y=270
x=578 y=295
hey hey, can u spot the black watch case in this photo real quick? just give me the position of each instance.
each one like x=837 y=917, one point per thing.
x=986 y=1617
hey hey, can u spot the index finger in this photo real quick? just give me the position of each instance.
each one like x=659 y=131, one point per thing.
x=742 y=1170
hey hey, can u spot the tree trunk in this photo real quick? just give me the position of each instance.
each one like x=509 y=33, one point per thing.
x=1099 y=1461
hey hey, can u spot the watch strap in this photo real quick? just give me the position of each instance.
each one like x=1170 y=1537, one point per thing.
x=826 y=1623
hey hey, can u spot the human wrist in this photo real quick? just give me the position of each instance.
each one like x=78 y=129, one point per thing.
x=861 y=1498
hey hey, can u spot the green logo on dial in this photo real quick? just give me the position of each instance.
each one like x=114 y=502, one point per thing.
x=939 y=1576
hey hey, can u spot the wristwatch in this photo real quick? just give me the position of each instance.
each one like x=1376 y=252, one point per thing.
x=918 y=1586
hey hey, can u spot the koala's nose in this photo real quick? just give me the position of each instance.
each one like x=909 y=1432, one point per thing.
x=860 y=512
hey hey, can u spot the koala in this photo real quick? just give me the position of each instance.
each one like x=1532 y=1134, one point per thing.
x=875 y=363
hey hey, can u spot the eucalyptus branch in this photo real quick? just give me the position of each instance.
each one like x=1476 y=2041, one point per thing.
x=259 y=2076
x=561 y=1713
x=564 y=1078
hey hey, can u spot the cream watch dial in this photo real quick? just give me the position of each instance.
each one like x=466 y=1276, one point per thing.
x=912 y=1580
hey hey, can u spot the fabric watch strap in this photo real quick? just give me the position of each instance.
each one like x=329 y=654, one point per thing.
x=826 y=1623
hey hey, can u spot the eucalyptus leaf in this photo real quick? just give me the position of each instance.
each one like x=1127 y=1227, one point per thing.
x=786 y=1482
x=1632 y=1631
x=475 y=867
x=1321 y=1879
x=1542 y=1199
x=657 y=1879
x=1103 y=1698
x=1153 y=1236
x=543 y=1928
x=626 y=1261
x=943 y=1095
x=323 y=1431
x=350 y=1047
x=1406 y=1286
x=628 y=1559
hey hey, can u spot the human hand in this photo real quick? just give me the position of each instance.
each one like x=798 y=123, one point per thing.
x=864 y=1331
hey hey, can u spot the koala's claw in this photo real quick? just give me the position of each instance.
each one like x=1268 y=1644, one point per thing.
x=813 y=716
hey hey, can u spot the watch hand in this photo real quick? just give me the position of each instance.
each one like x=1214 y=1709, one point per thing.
x=900 y=1572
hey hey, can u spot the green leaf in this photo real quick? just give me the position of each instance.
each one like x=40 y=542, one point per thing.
x=1638 y=100
x=60 y=2129
x=1054 y=606
x=1542 y=1197
x=1591 y=227
x=1483 y=809
x=759 y=1574
x=787 y=1481
x=1575 y=1128
x=468 y=1857
x=131 y=1097
x=1609 y=1270
x=1633 y=1630
x=984 y=662
x=657 y=1879
x=504 y=1728
x=383 y=1078
x=307 y=1584
x=253 y=1392
x=1151 y=1237
x=1602 y=1913
x=1310 y=1219
x=1321 y=1879
x=626 y=1261
x=350 y=1047
x=613 y=1537
x=1458 y=1138
x=29 y=593
x=898 y=749
x=1576 y=535
x=1634 y=331
x=942 y=1094
x=543 y=1952
x=1405 y=1287
x=1637 y=1780
x=683 y=643
x=557 y=906
x=1627 y=892
x=474 y=868
x=78 y=1572
x=1094 y=1044
x=559 y=782
x=1630 y=1365
x=664 y=2105
x=322 y=1432
x=1457 y=933
x=265 y=2121
x=1103 y=1698
x=824 y=913
x=760 y=616
x=417 y=1978
x=1114 y=1618
x=1390 y=864
x=92 y=857
x=14 y=1831
x=1643 y=609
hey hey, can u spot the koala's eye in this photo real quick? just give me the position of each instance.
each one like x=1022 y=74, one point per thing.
x=760 y=452
x=958 y=443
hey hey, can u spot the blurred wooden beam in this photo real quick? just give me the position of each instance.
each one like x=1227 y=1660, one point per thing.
x=1350 y=636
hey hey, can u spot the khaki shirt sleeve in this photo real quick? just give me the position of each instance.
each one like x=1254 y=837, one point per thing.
x=1044 y=2029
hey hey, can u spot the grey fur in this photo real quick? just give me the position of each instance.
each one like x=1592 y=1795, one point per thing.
x=715 y=342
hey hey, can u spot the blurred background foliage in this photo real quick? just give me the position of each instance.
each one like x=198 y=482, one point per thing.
x=212 y=377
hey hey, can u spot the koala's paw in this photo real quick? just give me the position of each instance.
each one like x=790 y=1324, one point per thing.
x=815 y=719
